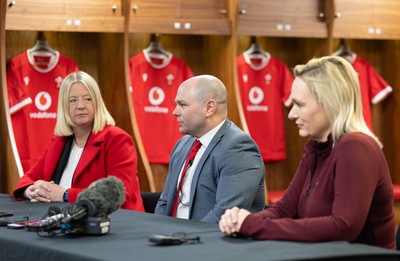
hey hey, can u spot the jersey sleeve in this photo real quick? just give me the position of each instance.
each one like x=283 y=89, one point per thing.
x=17 y=96
x=379 y=88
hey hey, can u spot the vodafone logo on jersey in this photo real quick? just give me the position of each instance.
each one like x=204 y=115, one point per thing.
x=256 y=96
x=156 y=97
x=43 y=102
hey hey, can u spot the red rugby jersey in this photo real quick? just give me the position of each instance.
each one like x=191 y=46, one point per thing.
x=265 y=85
x=155 y=79
x=33 y=82
x=373 y=87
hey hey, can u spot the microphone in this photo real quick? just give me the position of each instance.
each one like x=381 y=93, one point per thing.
x=106 y=194
x=89 y=214
x=94 y=204
x=53 y=210
x=54 y=217
x=51 y=222
x=190 y=163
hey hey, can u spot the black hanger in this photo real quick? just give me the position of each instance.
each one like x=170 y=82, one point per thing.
x=42 y=45
x=255 y=48
x=155 y=46
x=343 y=50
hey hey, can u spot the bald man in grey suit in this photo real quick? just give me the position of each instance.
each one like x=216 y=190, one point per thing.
x=227 y=171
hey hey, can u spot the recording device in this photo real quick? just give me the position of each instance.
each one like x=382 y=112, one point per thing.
x=4 y=220
x=90 y=214
x=6 y=214
x=173 y=239
x=165 y=240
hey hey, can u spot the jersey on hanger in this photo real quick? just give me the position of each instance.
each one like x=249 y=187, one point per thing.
x=33 y=82
x=373 y=87
x=265 y=85
x=155 y=79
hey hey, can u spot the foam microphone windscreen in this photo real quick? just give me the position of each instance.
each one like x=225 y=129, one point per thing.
x=106 y=194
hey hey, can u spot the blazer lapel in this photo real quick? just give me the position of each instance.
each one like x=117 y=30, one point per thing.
x=215 y=140
x=50 y=165
x=90 y=151
x=180 y=160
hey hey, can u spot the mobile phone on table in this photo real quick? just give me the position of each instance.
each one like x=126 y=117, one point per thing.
x=6 y=214
x=29 y=224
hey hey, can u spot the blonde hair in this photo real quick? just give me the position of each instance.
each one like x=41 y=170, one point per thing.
x=334 y=83
x=101 y=115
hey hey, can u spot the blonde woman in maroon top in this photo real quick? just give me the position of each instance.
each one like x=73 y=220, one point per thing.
x=342 y=189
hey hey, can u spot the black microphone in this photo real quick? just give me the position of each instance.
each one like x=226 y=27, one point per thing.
x=89 y=214
x=190 y=163
x=51 y=222
x=53 y=210
x=53 y=219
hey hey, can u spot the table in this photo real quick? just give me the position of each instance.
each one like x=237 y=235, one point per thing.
x=130 y=230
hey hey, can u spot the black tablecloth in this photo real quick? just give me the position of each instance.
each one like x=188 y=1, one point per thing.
x=130 y=230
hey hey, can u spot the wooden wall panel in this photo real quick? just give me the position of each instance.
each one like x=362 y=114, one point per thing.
x=386 y=114
x=3 y=122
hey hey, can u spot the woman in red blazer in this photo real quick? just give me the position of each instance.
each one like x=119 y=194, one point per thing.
x=87 y=146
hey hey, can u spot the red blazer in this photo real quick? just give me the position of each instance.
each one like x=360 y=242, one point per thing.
x=110 y=152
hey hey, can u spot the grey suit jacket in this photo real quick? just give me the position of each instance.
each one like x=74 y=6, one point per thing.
x=230 y=173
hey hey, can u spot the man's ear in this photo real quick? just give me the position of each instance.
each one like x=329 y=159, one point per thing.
x=211 y=107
